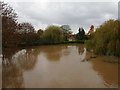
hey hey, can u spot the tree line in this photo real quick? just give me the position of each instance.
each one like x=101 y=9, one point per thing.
x=16 y=34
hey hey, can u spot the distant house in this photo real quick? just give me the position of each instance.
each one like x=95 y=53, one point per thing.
x=71 y=37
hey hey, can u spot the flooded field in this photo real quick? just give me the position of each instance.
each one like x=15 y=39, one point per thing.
x=56 y=66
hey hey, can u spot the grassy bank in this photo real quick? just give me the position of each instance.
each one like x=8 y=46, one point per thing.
x=50 y=43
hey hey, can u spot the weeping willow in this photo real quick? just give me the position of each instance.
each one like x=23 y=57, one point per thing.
x=106 y=39
x=53 y=34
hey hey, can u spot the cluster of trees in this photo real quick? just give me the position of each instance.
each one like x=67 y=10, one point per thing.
x=24 y=34
x=106 y=40
x=16 y=34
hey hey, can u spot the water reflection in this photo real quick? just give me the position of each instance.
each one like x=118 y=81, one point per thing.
x=83 y=55
x=12 y=76
x=55 y=66
x=13 y=67
x=29 y=59
x=54 y=52
x=81 y=49
x=108 y=71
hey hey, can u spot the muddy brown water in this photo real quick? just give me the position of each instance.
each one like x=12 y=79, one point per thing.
x=56 y=66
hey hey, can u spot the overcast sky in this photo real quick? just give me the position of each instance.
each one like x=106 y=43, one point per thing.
x=74 y=13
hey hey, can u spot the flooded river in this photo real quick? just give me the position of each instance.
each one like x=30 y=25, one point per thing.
x=56 y=66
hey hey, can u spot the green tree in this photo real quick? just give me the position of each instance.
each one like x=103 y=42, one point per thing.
x=53 y=34
x=40 y=33
x=106 y=40
x=81 y=34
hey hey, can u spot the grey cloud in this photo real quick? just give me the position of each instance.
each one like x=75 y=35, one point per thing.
x=80 y=14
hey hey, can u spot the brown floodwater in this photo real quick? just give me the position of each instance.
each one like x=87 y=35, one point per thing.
x=56 y=66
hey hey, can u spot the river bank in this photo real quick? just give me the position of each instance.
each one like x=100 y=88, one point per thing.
x=109 y=59
x=52 y=43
